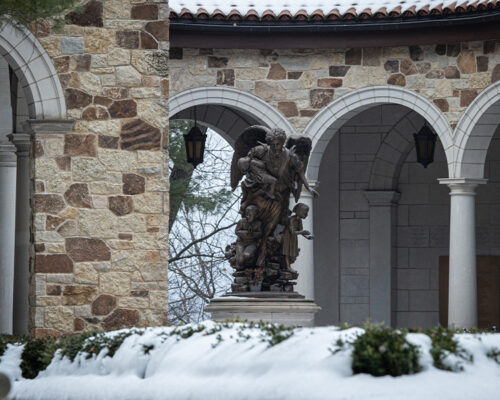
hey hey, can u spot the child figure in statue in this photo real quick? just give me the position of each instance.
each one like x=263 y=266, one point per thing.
x=290 y=248
x=249 y=232
x=258 y=181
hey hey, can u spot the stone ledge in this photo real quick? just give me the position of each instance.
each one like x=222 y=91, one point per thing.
x=51 y=125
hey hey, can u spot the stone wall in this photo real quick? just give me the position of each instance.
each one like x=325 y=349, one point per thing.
x=299 y=83
x=99 y=184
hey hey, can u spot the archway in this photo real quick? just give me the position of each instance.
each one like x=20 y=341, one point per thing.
x=327 y=122
x=366 y=136
x=227 y=111
x=35 y=71
x=474 y=132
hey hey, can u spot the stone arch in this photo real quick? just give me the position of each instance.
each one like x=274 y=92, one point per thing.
x=328 y=121
x=226 y=110
x=35 y=71
x=474 y=131
x=393 y=151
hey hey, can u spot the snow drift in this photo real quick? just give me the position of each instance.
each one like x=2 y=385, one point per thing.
x=236 y=361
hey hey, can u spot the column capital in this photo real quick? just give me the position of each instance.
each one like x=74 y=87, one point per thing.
x=462 y=186
x=7 y=155
x=382 y=197
x=22 y=142
x=51 y=125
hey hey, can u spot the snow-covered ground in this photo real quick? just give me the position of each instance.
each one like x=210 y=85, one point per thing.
x=239 y=363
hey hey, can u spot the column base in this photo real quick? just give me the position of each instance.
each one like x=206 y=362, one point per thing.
x=285 y=311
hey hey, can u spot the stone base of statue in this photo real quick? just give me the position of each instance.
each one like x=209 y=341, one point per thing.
x=290 y=309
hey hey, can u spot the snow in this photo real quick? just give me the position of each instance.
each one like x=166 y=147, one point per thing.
x=10 y=361
x=260 y=6
x=239 y=364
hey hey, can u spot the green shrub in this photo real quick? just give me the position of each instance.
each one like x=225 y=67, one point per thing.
x=444 y=344
x=101 y=341
x=494 y=354
x=9 y=339
x=383 y=351
x=37 y=355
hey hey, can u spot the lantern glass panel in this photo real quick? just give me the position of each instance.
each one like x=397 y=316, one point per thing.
x=195 y=146
x=425 y=143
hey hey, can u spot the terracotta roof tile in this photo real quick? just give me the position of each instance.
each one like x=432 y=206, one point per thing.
x=234 y=15
x=302 y=15
x=395 y=12
x=202 y=14
x=252 y=15
x=285 y=15
x=334 y=15
x=318 y=15
x=319 y=10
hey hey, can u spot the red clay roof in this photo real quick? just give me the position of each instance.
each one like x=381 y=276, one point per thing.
x=222 y=10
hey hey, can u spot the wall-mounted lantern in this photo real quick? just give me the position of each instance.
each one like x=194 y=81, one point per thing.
x=425 y=144
x=195 y=144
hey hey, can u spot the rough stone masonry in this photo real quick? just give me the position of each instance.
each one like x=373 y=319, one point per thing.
x=99 y=186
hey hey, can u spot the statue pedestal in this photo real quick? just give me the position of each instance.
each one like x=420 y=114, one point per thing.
x=286 y=309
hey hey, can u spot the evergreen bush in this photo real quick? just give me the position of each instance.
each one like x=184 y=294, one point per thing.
x=443 y=345
x=384 y=351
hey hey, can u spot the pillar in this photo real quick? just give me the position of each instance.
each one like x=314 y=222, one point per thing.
x=305 y=261
x=382 y=253
x=7 y=233
x=462 y=297
x=22 y=236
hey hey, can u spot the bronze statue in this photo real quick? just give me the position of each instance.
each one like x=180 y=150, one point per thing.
x=273 y=167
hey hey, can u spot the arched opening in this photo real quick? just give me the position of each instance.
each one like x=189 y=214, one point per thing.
x=474 y=132
x=366 y=221
x=204 y=273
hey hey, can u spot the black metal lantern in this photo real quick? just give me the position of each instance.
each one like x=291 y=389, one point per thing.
x=195 y=144
x=425 y=143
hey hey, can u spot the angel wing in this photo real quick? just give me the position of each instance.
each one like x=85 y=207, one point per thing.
x=248 y=139
x=300 y=146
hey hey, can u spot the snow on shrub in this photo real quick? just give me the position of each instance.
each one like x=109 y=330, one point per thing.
x=384 y=351
x=223 y=361
x=446 y=352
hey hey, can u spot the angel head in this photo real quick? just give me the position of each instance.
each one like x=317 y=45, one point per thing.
x=275 y=138
x=301 y=210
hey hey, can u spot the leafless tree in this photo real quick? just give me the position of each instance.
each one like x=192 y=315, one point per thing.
x=204 y=224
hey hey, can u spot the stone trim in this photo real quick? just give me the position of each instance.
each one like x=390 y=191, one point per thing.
x=35 y=71
x=51 y=126
x=474 y=131
x=22 y=142
x=462 y=186
x=230 y=97
x=327 y=122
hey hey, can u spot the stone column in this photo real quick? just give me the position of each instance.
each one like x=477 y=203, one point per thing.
x=382 y=253
x=22 y=237
x=305 y=261
x=7 y=233
x=462 y=297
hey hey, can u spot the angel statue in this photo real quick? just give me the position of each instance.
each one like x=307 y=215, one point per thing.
x=273 y=167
